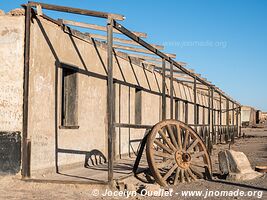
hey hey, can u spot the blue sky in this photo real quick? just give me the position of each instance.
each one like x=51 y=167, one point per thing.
x=224 y=40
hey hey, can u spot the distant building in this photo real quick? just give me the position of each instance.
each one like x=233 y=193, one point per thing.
x=263 y=117
x=248 y=116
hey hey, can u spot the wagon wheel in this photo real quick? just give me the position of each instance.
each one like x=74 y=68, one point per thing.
x=175 y=153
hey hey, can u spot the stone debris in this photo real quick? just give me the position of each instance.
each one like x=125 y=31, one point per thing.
x=130 y=187
x=152 y=187
x=17 y=12
x=236 y=166
x=2 y=12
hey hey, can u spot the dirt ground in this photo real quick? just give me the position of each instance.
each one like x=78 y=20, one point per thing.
x=254 y=145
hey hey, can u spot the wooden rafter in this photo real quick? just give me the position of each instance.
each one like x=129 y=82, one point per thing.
x=121 y=40
x=140 y=50
x=96 y=27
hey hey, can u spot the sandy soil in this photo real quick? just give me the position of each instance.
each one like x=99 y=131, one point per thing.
x=254 y=146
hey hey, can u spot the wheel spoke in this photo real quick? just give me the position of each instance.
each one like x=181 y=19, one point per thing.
x=157 y=142
x=179 y=139
x=182 y=175
x=198 y=154
x=176 y=176
x=172 y=136
x=169 y=173
x=187 y=176
x=164 y=137
x=196 y=171
x=191 y=174
x=192 y=145
x=163 y=154
x=164 y=164
x=202 y=165
x=185 y=139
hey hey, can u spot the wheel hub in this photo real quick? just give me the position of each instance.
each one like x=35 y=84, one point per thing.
x=182 y=159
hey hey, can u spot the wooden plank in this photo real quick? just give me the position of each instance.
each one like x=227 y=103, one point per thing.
x=77 y=10
x=135 y=49
x=25 y=172
x=150 y=63
x=155 y=59
x=171 y=90
x=110 y=106
x=174 y=70
x=96 y=27
x=121 y=40
x=163 y=88
x=178 y=75
x=39 y=10
x=145 y=57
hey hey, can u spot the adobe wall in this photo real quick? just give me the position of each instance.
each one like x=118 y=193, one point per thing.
x=11 y=92
x=53 y=145
x=11 y=70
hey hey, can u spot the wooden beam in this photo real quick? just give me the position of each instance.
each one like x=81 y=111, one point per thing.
x=110 y=102
x=183 y=77
x=176 y=71
x=77 y=11
x=39 y=10
x=175 y=75
x=148 y=63
x=149 y=58
x=96 y=27
x=121 y=40
x=140 y=50
x=145 y=57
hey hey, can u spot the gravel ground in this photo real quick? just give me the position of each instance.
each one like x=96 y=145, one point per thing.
x=254 y=146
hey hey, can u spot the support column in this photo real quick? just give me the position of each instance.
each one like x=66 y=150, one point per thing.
x=171 y=90
x=163 y=89
x=227 y=121
x=25 y=143
x=240 y=122
x=110 y=101
x=195 y=102
x=220 y=112
x=237 y=119
x=212 y=117
x=209 y=120
x=233 y=122
x=186 y=112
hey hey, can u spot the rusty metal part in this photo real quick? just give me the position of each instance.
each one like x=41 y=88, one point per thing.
x=261 y=168
x=175 y=153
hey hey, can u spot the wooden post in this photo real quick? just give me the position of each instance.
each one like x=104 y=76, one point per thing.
x=186 y=112
x=220 y=112
x=233 y=123
x=110 y=101
x=227 y=121
x=212 y=117
x=25 y=172
x=236 y=119
x=171 y=90
x=240 y=122
x=195 y=102
x=163 y=89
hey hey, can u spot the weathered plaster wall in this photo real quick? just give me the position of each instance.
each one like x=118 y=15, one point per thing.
x=11 y=72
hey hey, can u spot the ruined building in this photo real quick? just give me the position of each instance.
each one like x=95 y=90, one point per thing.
x=60 y=103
